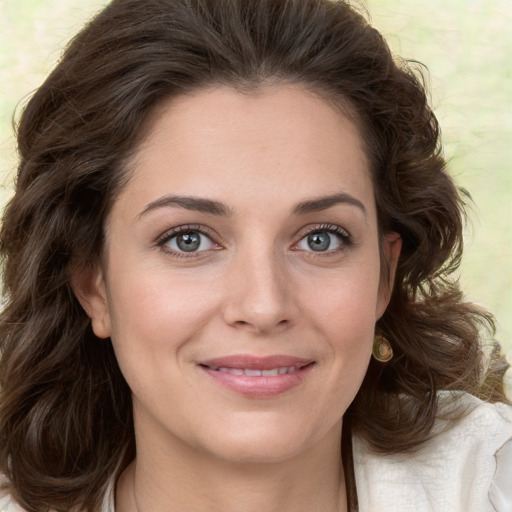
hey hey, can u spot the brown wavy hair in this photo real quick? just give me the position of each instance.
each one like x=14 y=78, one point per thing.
x=65 y=409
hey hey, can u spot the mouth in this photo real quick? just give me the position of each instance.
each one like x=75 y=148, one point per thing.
x=258 y=377
x=282 y=370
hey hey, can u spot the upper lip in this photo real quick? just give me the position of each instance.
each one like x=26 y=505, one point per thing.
x=256 y=362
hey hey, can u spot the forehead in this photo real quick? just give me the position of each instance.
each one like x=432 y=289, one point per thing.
x=279 y=143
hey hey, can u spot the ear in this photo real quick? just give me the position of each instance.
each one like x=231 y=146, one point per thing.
x=391 y=247
x=88 y=284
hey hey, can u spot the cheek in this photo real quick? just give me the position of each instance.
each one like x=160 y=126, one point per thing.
x=347 y=300
x=342 y=309
x=153 y=317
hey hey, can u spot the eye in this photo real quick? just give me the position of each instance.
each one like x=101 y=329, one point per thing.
x=325 y=240
x=187 y=240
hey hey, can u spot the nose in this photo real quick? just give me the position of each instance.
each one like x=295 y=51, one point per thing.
x=259 y=294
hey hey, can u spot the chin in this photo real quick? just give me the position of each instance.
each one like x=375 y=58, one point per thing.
x=264 y=441
x=262 y=450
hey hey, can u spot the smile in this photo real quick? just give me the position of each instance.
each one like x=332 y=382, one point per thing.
x=256 y=373
x=258 y=377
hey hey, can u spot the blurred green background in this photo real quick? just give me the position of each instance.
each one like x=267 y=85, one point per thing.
x=467 y=44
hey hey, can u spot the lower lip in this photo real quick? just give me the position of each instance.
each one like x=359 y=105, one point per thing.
x=259 y=386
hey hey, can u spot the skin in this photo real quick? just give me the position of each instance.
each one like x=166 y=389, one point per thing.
x=255 y=287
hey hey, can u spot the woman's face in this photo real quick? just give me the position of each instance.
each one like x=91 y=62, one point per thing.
x=241 y=278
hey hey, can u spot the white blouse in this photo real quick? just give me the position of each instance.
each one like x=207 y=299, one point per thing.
x=464 y=468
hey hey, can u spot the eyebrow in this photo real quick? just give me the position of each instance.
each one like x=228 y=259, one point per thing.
x=196 y=204
x=212 y=207
x=323 y=203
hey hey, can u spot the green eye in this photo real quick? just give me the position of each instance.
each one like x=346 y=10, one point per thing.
x=325 y=239
x=189 y=241
x=319 y=242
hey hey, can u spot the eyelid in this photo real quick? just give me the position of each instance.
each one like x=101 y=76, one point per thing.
x=183 y=228
x=331 y=228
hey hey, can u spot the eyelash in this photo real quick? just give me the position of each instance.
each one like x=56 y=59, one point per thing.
x=347 y=240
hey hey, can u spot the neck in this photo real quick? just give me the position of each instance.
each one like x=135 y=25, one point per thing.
x=190 y=480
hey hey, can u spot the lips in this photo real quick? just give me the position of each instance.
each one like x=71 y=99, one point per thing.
x=257 y=363
x=258 y=377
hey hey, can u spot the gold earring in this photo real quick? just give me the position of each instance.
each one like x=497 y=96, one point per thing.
x=382 y=350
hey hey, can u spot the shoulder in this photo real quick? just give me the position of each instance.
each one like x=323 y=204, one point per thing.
x=466 y=466
x=7 y=504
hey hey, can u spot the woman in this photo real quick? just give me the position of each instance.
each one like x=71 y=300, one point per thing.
x=223 y=208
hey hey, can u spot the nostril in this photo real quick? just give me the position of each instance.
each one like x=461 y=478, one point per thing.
x=241 y=323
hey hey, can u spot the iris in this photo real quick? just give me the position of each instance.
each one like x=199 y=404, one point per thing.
x=319 y=241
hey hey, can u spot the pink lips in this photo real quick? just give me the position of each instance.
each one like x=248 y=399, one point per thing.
x=258 y=377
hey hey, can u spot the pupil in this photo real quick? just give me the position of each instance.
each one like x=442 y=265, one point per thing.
x=319 y=241
x=188 y=242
